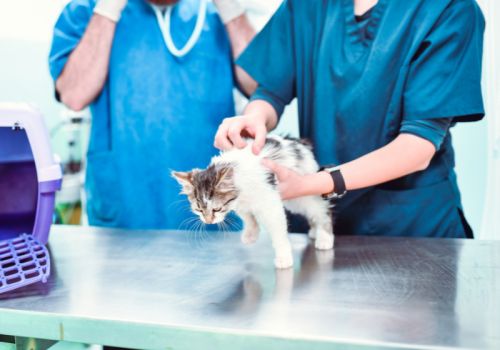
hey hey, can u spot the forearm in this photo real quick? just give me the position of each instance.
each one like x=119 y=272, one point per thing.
x=263 y=111
x=405 y=155
x=241 y=33
x=85 y=73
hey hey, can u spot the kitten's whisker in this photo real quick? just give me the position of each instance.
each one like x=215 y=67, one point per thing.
x=194 y=230
x=194 y=234
x=176 y=202
x=179 y=204
x=197 y=226
x=225 y=230
x=187 y=221
x=189 y=227
x=199 y=232
x=203 y=234
x=231 y=223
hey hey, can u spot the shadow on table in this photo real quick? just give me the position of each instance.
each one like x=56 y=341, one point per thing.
x=414 y=285
x=249 y=293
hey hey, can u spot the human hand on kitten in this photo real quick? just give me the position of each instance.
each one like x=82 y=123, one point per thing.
x=232 y=131
x=293 y=185
x=231 y=134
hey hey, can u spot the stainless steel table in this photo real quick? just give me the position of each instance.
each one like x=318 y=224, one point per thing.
x=181 y=290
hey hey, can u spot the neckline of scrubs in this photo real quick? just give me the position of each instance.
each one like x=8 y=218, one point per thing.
x=359 y=43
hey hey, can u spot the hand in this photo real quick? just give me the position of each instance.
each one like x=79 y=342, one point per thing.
x=111 y=9
x=229 y=9
x=290 y=184
x=293 y=185
x=232 y=130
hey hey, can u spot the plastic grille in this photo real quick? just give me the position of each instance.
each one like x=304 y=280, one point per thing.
x=23 y=261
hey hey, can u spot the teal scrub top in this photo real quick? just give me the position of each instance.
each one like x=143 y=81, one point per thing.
x=156 y=112
x=360 y=85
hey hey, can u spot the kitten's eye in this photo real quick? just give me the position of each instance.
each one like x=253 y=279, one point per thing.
x=216 y=210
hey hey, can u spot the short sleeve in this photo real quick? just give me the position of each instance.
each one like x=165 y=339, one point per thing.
x=266 y=95
x=68 y=31
x=445 y=74
x=269 y=59
x=433 y=130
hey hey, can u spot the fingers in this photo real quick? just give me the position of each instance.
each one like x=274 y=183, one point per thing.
x=268 y=163
x=260 y=139
x=229 y=134
x=234 y=133
x=277 y=169
x=221 y=141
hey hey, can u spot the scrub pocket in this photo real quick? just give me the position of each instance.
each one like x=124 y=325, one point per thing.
x=429 y=211
x=102 y=190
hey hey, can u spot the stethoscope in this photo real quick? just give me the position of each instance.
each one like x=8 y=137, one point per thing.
x=164 y=24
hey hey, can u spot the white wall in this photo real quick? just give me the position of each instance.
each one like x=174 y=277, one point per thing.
x=490 y=228
x=25 y=34
x=477 y=145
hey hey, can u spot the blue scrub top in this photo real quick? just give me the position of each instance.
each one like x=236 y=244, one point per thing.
x=357 y=84
x=156 y=112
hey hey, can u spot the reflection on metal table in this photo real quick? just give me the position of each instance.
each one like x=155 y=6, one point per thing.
x=179 y=290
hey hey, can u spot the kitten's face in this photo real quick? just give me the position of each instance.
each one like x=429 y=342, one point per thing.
x=211 y=192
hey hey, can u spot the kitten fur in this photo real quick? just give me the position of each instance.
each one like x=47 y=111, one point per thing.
x=237 y=181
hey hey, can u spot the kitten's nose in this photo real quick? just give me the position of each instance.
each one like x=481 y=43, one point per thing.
x=209 y=219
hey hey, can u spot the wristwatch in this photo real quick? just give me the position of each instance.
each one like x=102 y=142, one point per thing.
x=339 y=189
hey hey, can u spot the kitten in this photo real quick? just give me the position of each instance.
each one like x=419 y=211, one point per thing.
x=236 y=180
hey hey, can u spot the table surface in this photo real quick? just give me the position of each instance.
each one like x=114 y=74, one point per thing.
x=187 y=290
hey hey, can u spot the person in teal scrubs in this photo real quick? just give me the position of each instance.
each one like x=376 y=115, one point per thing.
x=379 y=84
x=158 y=78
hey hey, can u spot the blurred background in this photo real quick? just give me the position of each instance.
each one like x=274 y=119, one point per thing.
x=25 y=34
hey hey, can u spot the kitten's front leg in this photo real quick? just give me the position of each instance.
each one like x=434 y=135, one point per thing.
x=271 y=214
x=250 y=228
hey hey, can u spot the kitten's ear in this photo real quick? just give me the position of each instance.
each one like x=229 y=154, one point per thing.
x=225 y=173
x=185 y=179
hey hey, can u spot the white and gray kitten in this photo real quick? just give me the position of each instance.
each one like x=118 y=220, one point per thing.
x=236 y=180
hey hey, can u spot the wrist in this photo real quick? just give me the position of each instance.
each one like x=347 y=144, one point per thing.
x=111 y=9
x=318 y=184
x=339 y=187
x=325 y=183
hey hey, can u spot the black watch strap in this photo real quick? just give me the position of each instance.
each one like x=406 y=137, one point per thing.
x=339 y=188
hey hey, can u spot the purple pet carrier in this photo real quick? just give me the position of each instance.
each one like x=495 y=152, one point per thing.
x=29 y=178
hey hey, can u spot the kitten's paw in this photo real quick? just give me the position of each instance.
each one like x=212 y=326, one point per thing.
x=249 y=237
x=324 y=241
x=283 y=261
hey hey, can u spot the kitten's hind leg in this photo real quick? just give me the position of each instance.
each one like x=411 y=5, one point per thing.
x=250 y=228
x=317 y=212
x=271 y=214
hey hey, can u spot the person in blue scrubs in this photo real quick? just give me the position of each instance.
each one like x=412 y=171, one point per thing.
x=379 y=84
x=158 y=78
